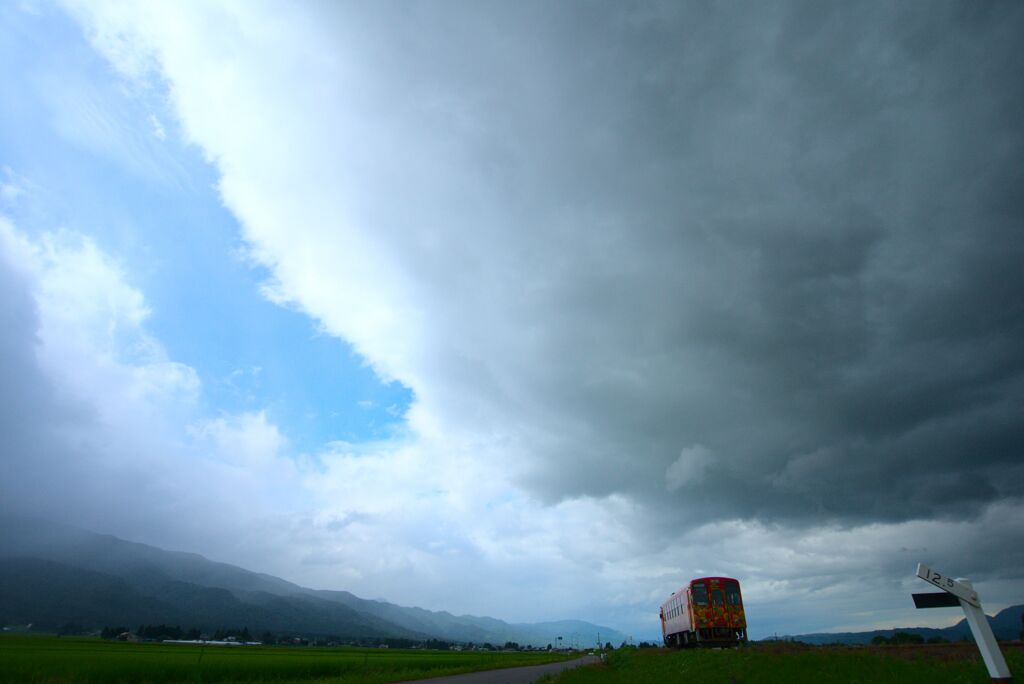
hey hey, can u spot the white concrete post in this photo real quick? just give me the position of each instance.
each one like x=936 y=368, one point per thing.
x=982 y=631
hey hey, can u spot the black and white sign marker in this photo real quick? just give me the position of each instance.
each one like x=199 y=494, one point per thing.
x=960 y=592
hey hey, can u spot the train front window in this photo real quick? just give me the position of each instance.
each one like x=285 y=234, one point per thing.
x=732 y=593
x=700 y=595
x=718 y=597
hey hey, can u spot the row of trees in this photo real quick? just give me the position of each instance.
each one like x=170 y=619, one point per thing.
x=163 y=632
x=900 y=638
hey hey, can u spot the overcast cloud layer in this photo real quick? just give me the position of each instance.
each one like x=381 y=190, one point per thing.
x=677 y=290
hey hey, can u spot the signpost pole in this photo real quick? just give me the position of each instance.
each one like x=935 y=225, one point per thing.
x=982 y=632
x=964 y=592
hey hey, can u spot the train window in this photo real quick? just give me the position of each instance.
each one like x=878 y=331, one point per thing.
x=700 y=595
x=718 y=597
x=732 y=593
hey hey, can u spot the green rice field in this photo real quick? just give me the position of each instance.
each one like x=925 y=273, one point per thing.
x=30 y=658
x=932 y=664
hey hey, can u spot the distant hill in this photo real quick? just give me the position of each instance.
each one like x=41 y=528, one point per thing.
x=1006 y=624
x=52 y=574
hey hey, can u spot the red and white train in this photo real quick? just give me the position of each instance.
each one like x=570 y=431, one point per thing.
x=707 y=611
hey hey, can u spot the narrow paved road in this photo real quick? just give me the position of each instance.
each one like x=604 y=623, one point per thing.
x=512 y=675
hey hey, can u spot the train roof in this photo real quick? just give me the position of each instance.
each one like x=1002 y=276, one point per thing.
x=697 y=579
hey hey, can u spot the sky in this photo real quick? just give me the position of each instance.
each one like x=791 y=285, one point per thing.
x=530 y=310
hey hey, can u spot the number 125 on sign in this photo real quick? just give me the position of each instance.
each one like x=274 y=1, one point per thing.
x=937 y=579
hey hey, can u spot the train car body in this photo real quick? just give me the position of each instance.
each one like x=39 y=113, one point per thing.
x=707 y=611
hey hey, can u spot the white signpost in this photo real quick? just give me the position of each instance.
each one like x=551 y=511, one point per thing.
x=982 y=631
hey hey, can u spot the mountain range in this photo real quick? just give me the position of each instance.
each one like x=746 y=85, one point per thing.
x=53 y=574
x=1007 y=625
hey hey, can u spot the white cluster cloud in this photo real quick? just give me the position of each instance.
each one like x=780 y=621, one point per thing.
x=108 y=431
x=11 y=185
x=92 y=320
x=247 y=440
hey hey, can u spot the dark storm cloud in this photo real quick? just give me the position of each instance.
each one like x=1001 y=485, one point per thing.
x=784 y=238
x=790 y=235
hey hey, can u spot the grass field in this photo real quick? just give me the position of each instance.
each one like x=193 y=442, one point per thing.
x=939 y=664
x=57 y=660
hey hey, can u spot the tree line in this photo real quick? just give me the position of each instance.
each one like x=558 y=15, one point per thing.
x=900 y=638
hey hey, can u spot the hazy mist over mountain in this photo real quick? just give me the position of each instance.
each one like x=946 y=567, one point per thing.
x=531 y=310
x=54 y=575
